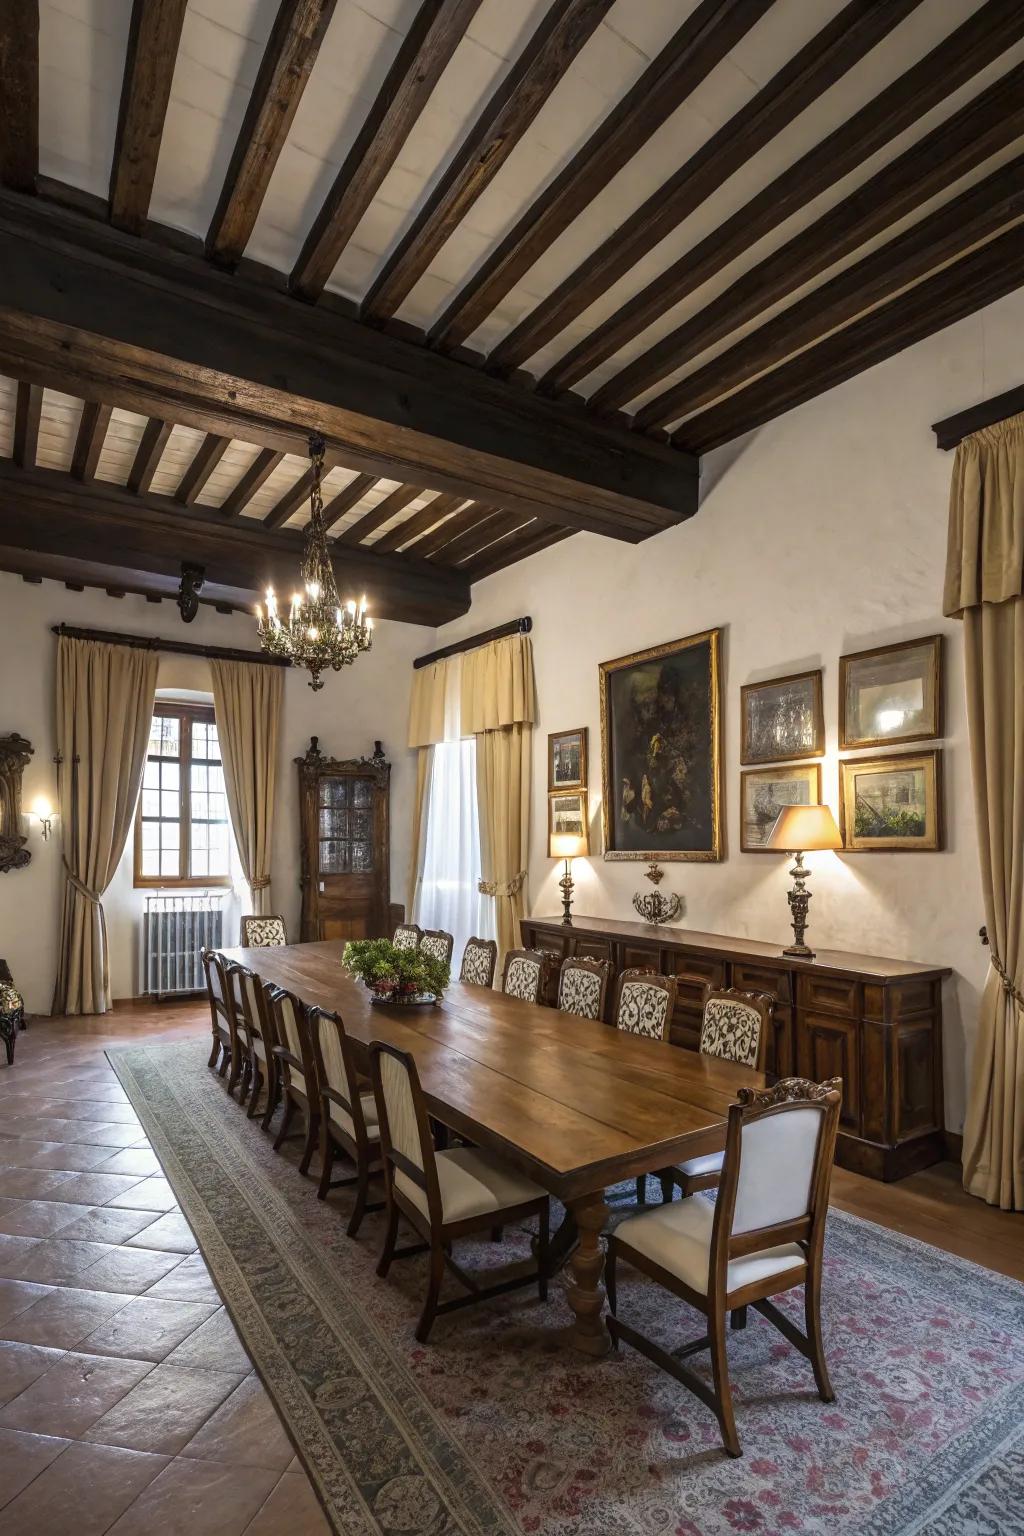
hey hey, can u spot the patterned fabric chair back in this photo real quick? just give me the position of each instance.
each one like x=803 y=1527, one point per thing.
x=438 y=944
x=263 y=932
x=583 y=987
x=735 y=1025
x=407 y=936
x=524 y=974
x=479 y=959
x=644 y=1003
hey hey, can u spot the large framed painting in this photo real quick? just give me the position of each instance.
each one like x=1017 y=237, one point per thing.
x=567 y=759
x=891 y=804
x=661 y=752
x=891 y=694
x=763 y=794
x=782 y=719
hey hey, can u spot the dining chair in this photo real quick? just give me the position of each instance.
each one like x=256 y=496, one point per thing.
x=734 y=1027
x=444 y=1195
x=217 y=996
x=348 y=1115
x=296 y=1068
x=644 y=1002
x=255 y=1024
x=438 y=944
x=240 y=1076
x=479 y=962
x=407 y=936
x=263 y=932
x=762 y=1236
x=523 y=976
x=583 y=987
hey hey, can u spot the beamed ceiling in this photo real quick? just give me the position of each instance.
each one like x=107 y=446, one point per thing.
x=521 y=261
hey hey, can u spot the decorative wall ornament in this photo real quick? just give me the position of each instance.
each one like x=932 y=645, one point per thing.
x=193 y=580
x=15 y=753
x=653 y=906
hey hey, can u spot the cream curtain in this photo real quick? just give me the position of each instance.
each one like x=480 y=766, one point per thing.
x=247 y=703
x=424 y=764
x=104 y=708
x=985 y=587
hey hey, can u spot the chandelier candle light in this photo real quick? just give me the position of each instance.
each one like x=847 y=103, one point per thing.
x=318 y=632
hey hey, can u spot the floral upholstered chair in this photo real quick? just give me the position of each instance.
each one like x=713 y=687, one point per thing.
x=263 y=932
x=479 y=960
x=12 y=1011
x=437 y=944
x=407 y=936
x=583 y=987
x=524 y=975
x=644 y=1002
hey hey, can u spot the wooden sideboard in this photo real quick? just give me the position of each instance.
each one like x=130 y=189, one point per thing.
x=875 y=1023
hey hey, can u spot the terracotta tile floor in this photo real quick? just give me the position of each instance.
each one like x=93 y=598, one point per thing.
x=127 y=1401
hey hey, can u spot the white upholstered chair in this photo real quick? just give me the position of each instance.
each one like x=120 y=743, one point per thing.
x=263 y=932
x=296 y=1068
x=221 y=1022
x=438 y=944
x=444 y=1195
x=763 y=1235
x=255 y=1024
x=479 y=961
x=583 y=987
x=348 y=1114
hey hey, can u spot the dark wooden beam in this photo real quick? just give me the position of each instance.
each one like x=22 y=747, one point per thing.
x=420 y=523
x=259 y=471
x=348 y=498
x=510 y=111
x=157 y=330
x=976 y=215
x=103 y=534
x=423 y=56
x=700 y=43
x=377 y=516
x=27 y=411
x=153 y=37
x=92 y=429
x=19 y=94
x=288 y=59
x=514 y=547
x=479 y=536
x=288 y=504
x=960 y=289
x=973 y=46
x=148 y=454
x=208 y=455
x=954 y=429
x=841 y=44
x=471 y=514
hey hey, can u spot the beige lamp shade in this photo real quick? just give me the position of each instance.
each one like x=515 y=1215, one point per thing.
x=568 y=845
x=804 y=829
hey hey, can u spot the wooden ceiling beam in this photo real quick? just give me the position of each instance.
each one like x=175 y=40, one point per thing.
x=377 y=516
x=516 y=546
x=19 y=95
x=287 y=505
x=208 y=455
x=295 y=38
x=258 y=473
x=481 y=535
x=533 y=75
x=148 y=454
x=103 y=533
x=153 y=38
x=476 y=512
x=976 y=215
x=419 y=524
x=348 y=498
x=423 y=56
x=829 y=55
x=27 y=412
x=980 y=40
x=160 y=331
x=92 y=430
x=700 y=43
x=960 y=289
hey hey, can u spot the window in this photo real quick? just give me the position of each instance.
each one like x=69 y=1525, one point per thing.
x=182 y=834
x=448 y=894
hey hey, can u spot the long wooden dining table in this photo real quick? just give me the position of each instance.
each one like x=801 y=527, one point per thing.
x=575 y=1105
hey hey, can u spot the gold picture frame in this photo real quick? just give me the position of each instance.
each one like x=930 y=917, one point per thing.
x=764 y=793
x=892 y=804
x=782 y=719
x=563 y=748
x=568 y=813
x=886 y=681
x=661 y=752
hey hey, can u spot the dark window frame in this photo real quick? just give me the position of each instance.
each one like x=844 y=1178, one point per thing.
x=187 y=715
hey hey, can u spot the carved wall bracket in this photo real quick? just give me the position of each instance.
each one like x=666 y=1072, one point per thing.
x=15 y=753
x=652 y=906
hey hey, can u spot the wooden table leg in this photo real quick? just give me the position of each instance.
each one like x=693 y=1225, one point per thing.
x=584 y=1286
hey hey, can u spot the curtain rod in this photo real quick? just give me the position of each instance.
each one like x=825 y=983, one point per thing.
x=950 y=432
x=513 y=627
x=179 y=647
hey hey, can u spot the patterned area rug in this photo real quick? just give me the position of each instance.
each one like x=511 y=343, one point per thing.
x=495 y=1429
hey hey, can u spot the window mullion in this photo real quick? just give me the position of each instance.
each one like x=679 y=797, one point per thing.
x=185 y=797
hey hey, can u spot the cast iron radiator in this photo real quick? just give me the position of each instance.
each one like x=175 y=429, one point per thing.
x=175 y=929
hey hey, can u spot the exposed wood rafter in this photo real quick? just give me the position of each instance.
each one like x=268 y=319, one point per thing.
x=287 y=505
x=19 y=94
x=476 y=512
x=514 y=546
x=481 y=535
x=148 y=454
x=258 y=473
x=92 y=429
x=377 y=516
x=416 y=526
x=27 y=411
x=348 y=498
x=209 y=454
x=153 y=38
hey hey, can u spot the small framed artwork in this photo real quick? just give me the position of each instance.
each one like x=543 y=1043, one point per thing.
x=567 y=759
x=891 y=804
x=891 y=694
x=782 y=719
x=764 y=792
x=567 y=814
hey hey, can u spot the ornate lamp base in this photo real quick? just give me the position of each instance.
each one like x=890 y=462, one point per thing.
x=799 y=899
x=567 y=885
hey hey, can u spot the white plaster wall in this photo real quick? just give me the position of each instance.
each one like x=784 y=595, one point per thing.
x=366 y=701
x=821 y=533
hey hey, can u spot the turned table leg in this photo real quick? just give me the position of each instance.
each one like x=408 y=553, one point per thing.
x=584 y=1286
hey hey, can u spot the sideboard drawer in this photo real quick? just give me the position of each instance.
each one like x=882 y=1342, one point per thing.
x=761 y=978
x=829 y=992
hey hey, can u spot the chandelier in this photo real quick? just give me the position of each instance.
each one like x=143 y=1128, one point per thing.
x=318 y=632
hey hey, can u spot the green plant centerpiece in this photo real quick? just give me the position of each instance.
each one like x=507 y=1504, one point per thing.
x=395 y=975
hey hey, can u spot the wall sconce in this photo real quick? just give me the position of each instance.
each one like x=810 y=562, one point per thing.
x=44 y=813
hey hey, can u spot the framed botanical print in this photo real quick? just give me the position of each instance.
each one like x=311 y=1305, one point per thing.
x=891 y=694
x=661 y=752
x=763 y=794
x=567 y=759
x=567 y=814
x=891 y=804
x=782 y=719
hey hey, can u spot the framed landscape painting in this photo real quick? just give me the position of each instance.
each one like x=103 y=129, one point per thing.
x=764 y=792
x=782 y=719
x=567 y=759
x=891 y=804
x=661 y=752
x=891 y=694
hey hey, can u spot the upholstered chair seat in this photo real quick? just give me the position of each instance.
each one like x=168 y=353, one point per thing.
x=472 y=1183
x=341 y=1116
x=677 y=1237
x=479 y=959
x=263 y=932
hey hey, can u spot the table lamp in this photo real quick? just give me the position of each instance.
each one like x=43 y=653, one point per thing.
x=801 y=829
x=568 y=846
